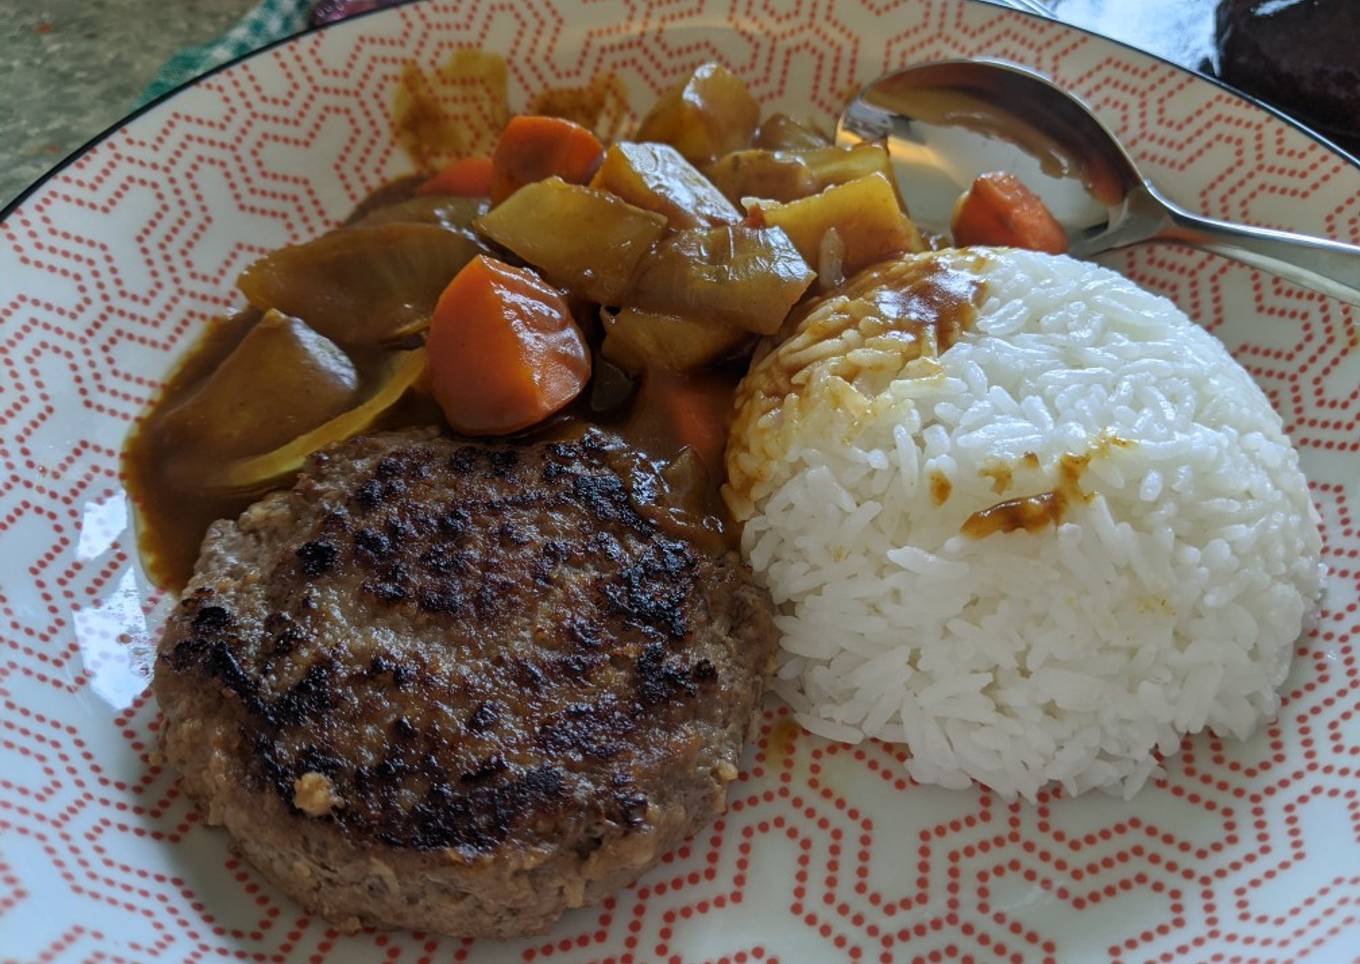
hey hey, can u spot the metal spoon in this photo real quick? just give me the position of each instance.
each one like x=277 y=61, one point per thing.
x=948 y=121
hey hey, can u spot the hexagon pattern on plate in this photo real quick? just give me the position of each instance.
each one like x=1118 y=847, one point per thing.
x=1242 y=851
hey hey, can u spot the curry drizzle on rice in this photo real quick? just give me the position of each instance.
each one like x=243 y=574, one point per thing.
x=1033 y=513
x=1001 y=475
x=1028 y=512
x=890 y=321
x=940 y=488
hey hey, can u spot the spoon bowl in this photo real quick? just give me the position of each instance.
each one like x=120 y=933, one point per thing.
x=946 y=122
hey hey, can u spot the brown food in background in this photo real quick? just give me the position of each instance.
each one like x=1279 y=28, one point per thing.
x=1302 y=56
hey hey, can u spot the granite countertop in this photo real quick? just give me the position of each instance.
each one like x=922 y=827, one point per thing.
x=70 y=68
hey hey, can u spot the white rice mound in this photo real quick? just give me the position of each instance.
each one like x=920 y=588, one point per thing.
x=1166 y=600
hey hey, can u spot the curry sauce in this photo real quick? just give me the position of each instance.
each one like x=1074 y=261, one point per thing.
x=1028 y=512
x=173 y=508
x=176 y=501
x=1032 y=513
x=367 y=327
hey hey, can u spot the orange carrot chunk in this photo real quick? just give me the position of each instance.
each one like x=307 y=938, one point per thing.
x=504 y=350
x=999 y=210
x=695 y=409
x=466 y=177
x=533 y=147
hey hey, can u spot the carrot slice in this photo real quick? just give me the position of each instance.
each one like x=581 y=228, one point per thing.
x=466 y=177
x=695 y=409
x=533 y=147
x=504 y=350
x=999 y=210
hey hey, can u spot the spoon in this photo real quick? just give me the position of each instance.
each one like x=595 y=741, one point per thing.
x=947 y=122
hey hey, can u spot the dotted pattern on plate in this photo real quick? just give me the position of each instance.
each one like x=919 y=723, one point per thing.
x=1243 y=852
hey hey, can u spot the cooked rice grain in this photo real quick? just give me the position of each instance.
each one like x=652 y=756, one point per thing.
x=1166 y=599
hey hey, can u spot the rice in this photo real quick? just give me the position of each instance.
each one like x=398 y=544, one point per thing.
x=1163 y=599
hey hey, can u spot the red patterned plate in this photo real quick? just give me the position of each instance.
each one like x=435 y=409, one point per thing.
x=1243 y=851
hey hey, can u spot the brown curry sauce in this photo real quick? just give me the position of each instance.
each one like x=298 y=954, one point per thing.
x=452 y=110
x=172 y=520
x=435 y=119
x=1032 y=513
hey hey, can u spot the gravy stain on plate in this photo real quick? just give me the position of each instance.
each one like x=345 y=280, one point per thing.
x=781 y=743
x=601 y=105
x=459 y=108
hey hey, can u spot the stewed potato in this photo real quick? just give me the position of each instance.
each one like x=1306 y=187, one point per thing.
x=710 y=113
x=789 y=175
x=780 y=132
x=865 y=213
x=658 y=178
x=747 y=277
x=638 y=340
x=581 y=238
x=361 y=285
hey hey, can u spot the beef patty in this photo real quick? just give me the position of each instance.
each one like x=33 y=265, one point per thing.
x=460 y=687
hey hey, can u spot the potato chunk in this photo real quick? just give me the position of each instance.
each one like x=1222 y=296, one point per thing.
x=586 y=240
x=710 y=113
x=864 y=212
x=780 y=132
x=657 y=178
x=450 y=213
x=363 y=284
x=840 y=165
x=403 y=369
x=282 y=380
x=637 y=340
x=789 y=175
x=770 y=175
x=747 y=277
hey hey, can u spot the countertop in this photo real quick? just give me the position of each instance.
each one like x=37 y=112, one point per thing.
x=70 y=68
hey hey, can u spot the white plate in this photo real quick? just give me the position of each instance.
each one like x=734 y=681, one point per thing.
x=1245 y=851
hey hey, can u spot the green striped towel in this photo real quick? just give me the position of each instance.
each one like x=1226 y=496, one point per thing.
x=267 y=21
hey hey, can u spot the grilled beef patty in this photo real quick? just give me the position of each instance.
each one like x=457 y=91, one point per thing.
x=460 y=687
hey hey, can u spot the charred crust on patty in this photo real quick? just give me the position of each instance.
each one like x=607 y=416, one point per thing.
x=630 y=603
x=316 y=558
x=465 y=654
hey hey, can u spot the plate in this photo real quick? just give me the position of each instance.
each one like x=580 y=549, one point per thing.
x=108 y=269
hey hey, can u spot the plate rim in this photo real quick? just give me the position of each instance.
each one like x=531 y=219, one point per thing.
x=35 y=186
x=39 y=192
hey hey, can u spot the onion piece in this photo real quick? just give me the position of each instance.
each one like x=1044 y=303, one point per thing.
x=402 y=371
x=830 y=260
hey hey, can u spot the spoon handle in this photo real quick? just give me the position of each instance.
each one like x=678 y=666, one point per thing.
x=1330 y=267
